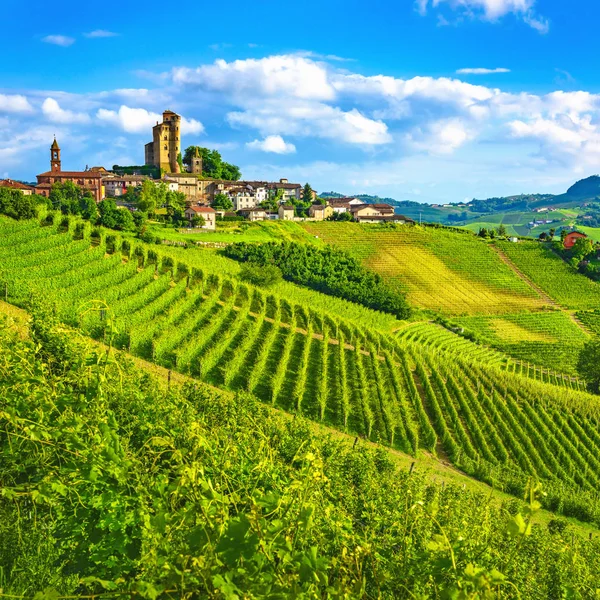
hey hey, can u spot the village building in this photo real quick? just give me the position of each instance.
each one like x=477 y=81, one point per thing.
x=165 y=147
x=27 y=190
x=289 y=191
x=342 y=205
x=286 y=212
x=116 y=186
x=87 y=180
x=253 y=214
x=320 y=212
x=571 y=238
x=192 y=186
x=209 y=214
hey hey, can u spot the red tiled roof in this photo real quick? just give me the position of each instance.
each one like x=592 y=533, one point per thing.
x=15 y=185
x=202 y=209
x=73 y=174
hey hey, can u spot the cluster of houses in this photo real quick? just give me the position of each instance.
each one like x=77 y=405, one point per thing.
x=247 y=197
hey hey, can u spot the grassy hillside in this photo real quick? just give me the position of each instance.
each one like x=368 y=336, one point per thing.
x=482 y=414
x=557 y=279
x=438 y=269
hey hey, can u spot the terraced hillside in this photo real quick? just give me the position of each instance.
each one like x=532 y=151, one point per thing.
x=438 y=269
x=468 y=406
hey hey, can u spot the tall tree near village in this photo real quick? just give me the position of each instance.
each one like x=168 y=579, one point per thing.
x=307 y=193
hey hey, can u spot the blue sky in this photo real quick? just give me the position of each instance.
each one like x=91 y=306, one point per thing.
x=428 y=100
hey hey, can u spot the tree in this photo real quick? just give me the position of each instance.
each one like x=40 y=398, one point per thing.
x=483 y=232
x=501 y=231
x=222 y=202
x=551 y=233
x=108 y=213
x=588 y=365
x=88 y=208
x=148 y=197
x=175 y=205
x=583 y=247
x=307 y=194
x=542 y=237
x=212 y=164
x=563 y=235
x=198 y=221
x=65 y=197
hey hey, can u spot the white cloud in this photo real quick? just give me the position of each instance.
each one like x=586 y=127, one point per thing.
x=481 y=71
x=272 y=143
x=53 y=112
x=14 y=103
x=100 y=33
x=492 y=10
x=59 y=40
x=282 y=76
x=140 y=120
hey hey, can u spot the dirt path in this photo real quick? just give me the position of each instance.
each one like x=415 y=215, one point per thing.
x=511 y=265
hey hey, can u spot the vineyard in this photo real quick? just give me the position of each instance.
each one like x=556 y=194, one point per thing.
x=416 y=391
x=550 y=339
x=557 y=279
x=439 y=270
x=114 y=486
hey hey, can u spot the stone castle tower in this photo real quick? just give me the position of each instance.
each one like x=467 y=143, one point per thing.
x=165 y=146
x=55 y=157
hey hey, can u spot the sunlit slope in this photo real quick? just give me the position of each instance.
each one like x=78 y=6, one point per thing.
x=431 y=391
x=548 y=271
x=438 y=269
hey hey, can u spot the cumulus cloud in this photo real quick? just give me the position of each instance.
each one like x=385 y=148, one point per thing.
x=491 y=10
x=481 y=71
x=14 y=103
x=140 y=120
x=272 y=143
x=286 y=75
x=59 y=40
x=100 y=33
x=53 y=112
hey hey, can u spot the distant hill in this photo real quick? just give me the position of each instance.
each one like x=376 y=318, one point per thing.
x=586 y=188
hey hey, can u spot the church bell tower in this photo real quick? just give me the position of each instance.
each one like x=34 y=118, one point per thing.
x=55 y=157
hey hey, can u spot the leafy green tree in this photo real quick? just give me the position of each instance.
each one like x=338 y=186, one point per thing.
x=307 y=194
x=88 y=208
x=175 y=205
x=264 y=276
x=108 y=213
x=582 y=248
x=501 y=231
x=589 y=365
x=147 y=200
x=198 y=221
x=15 y=204
x=65 y=196
x=222 y=202
x=139 y=219
x=483 y=232
x=213 y=165
x=563 y=235
x=552 y=233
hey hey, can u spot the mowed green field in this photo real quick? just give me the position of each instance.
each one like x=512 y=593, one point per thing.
x=438 y=269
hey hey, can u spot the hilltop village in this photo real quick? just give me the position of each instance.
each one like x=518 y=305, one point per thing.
x=203 y=199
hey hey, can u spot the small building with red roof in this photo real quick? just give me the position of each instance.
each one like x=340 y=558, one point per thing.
x=17 y=185
x=571 y=238
x=209 y=214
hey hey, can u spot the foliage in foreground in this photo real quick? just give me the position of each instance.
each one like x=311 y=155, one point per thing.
x=111 y=484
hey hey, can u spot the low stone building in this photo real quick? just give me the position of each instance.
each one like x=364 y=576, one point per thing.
x=209 y=214
x=286 y=212
x=116 y=186
x=253 y=214
x=320 y=212
x=27 y=190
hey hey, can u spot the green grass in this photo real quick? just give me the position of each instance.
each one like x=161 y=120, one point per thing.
x=438 y=269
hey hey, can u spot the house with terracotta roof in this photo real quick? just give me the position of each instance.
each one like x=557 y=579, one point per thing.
x=571 y=238
x=17 y=185
x=116 y=186
x=87 y=180
x=209 y=214
x=342 y=205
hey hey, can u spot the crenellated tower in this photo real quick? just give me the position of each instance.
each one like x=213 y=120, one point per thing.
x=165 y=146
